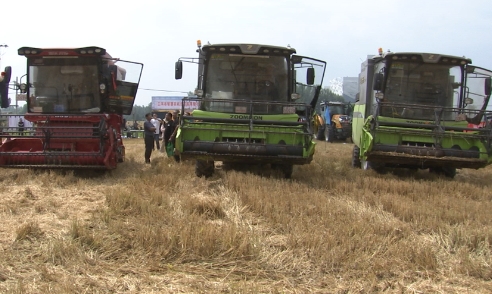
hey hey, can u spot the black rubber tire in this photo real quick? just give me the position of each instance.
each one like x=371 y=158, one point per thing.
x=287 y=169
x=449 y=172
x=356 y=157
x=321 y=133
x=329 y=134
x=204 y=168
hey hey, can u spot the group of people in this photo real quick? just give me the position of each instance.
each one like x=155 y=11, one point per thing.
x=156 y=129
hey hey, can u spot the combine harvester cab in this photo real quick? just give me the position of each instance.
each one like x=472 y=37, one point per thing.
x=422 y=111
x=76 y=99
x=255 y=107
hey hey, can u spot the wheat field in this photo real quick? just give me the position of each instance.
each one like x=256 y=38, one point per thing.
x=330 y=229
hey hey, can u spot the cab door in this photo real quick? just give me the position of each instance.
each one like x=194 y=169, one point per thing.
x=308 y=74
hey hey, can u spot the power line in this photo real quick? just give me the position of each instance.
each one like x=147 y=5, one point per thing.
x=158 y=90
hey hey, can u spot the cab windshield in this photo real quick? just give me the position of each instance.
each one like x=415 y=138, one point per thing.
x=247 y=77
x=423 y=84
x=63 y=85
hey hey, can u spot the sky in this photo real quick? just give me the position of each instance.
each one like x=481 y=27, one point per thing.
x=157 y=33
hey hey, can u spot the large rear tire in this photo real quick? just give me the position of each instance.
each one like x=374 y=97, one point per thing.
x=329 y=134
x=320 y=134
x=204 y=168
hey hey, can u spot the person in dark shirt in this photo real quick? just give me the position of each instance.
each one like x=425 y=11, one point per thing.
x=169 y=127
x=149 y=130
x=170 y=130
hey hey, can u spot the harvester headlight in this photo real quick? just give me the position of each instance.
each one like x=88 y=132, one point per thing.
x=379 y=95
x=102 y=87
x=295 y=96
x=83 y=52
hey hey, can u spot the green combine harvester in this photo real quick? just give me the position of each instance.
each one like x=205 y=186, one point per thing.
x=422 y=111
x=255 y=104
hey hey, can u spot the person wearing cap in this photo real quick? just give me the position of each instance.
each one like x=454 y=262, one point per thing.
x=149 y=131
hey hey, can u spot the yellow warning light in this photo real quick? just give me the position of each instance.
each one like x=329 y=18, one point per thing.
x=199 y=43
x=380 y=51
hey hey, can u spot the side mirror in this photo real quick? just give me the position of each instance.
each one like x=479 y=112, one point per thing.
x=488 y=86
x=7 y=74
x=310 y=76
x=178 y=71
x=377 y=84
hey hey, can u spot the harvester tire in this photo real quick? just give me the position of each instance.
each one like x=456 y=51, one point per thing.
x=329 y=134
x=356 y=157
x=449 y=172
x=204 y=168
x=321 y=134
x=287 y=169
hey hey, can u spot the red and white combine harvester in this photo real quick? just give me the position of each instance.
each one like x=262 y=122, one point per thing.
x=76 y=99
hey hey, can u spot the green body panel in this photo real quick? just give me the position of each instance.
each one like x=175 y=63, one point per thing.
x=397 y=136
x=221 y=115
x=233 y=133
x=358 y=122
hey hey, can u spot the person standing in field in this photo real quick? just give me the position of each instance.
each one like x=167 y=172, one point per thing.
x=157 y=124
x=168 y=128
x=170 y=132
x=20 y=124
x=149 y=131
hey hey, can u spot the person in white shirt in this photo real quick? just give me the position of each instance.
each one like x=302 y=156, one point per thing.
x=157 y=124
x=163 y=127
